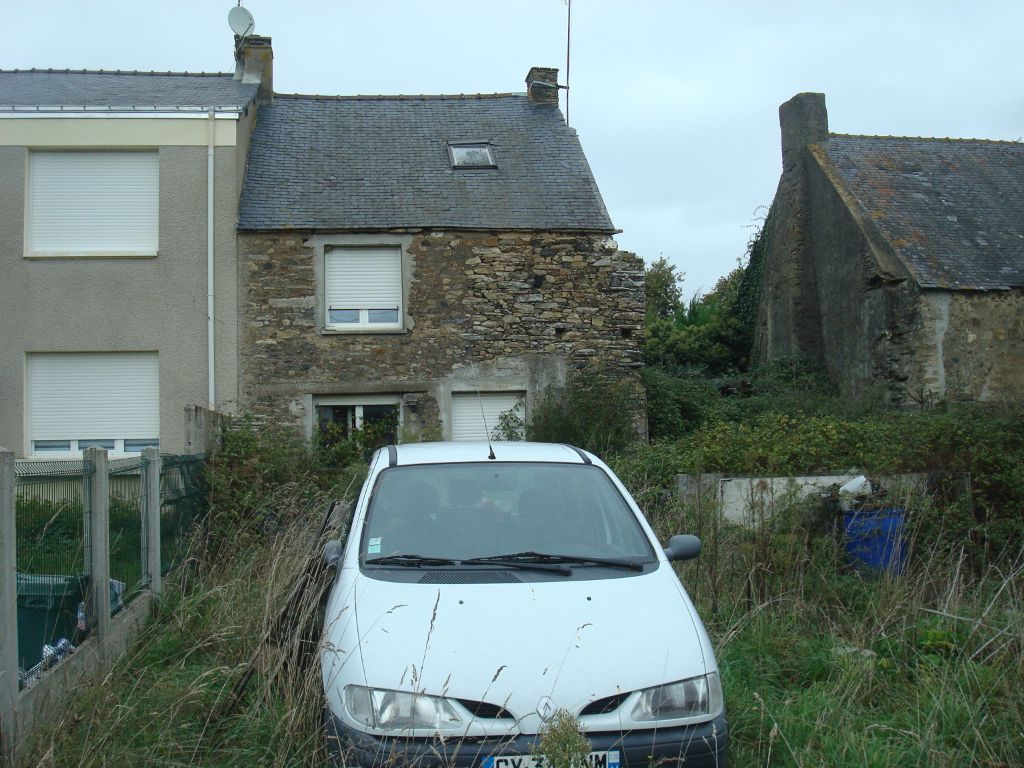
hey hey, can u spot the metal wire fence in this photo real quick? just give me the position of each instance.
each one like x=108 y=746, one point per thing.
x=52 y=518
x=182 y=503
x=127 y=489
x=50 y=511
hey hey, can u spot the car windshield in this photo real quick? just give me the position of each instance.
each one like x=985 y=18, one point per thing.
x=464 y=511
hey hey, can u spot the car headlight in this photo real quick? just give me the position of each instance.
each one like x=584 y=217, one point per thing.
x=401 y=711
x=686 y=698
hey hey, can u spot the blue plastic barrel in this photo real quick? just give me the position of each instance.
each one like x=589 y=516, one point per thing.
x=874 y=539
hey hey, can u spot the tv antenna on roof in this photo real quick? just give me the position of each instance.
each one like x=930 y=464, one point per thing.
x=568 y=46
x=241 y=21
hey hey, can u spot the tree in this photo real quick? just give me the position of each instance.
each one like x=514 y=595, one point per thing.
x=663 y=290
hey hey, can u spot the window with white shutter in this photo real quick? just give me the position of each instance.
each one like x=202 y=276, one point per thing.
x=475 y=416
x=105 y=399
x=363 y=288
x=92 y=204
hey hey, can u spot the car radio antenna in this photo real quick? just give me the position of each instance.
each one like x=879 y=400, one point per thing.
x=483 y=417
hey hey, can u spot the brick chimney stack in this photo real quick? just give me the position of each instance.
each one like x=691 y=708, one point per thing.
x=254 y=63
x=542 y=85
x=804 y=120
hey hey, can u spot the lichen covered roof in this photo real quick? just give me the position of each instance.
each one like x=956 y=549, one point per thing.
x=31 y=90
x=952 y=210
x=382 y=162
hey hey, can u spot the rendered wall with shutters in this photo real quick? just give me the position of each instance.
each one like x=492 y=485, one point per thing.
x=83 y=395
x=93 y=202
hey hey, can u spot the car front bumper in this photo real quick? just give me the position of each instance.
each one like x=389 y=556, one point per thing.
x=693 y=746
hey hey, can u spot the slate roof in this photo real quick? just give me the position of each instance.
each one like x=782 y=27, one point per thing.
x=952 y=210
x=77 y=90
x=381 y=162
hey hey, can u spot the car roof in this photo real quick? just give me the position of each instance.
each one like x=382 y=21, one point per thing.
x=471 y=451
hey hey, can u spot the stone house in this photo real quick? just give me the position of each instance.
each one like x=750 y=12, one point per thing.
x=118 y=204
x=437 y=260
x=896 y=263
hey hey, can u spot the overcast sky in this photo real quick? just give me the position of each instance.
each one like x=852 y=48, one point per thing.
x=675 y=102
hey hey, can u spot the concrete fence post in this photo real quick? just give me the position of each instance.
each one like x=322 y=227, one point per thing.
x=151 y=564
x=8 y=611
x=99 y=547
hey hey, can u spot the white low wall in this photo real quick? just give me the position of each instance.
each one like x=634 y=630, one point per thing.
x=752 y=500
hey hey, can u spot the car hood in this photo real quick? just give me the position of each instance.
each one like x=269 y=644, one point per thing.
x=567 y=642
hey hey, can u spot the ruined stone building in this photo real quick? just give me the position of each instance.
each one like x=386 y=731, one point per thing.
x=896 y=263
x=442 y=259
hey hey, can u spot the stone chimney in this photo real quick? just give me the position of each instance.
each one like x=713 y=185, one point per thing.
x=254 y=63
x=804 y=121
x=542 y=85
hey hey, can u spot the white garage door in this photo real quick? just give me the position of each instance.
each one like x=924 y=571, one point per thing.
x=107 y=399
x=470 y=410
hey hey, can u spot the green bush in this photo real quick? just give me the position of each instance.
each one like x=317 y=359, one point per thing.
x=596 y=414
x=681 y=400
x=261 y=474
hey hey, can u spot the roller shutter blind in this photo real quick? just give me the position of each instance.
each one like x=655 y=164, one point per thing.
x=467 y=420
x=82 y=203
x=363 y=278
x=93 y=395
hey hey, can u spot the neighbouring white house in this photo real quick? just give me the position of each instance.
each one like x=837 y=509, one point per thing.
x=118 y=205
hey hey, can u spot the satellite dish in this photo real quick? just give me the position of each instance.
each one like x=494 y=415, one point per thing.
x=241 y=21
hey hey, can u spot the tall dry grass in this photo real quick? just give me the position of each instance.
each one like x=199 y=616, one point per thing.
x=821 y=664
x=824 y=664
x=160 y=703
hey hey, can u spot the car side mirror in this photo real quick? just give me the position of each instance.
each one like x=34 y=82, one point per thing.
x=683 y=547
x=332 y=553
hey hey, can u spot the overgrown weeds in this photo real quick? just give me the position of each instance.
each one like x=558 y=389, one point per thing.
x=163 y=702
x=260 y=475
x=826 y=665
x=563 y=742
x=822 y=664
x=157 y=706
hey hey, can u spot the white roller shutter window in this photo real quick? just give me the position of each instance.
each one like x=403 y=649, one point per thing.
x=82 y=203
x=364 y=279
x=93 y=395
x=467 y=419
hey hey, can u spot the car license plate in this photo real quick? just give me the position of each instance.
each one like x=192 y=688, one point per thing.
x=609 y=759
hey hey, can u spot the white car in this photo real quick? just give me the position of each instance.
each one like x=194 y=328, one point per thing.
x=484 y=587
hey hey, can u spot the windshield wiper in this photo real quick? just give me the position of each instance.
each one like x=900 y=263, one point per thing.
x=409 y=561
x=524 y=563
x=543 y=558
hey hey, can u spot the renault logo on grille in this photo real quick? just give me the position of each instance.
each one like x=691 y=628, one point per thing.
x=545 y=708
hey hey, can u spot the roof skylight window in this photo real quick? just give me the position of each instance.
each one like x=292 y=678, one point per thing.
x=471 y=155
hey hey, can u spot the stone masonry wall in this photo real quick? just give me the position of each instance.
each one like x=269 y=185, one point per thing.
x=495 y=307
x=970 y=346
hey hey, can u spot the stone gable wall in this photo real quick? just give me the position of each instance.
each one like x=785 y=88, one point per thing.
x=489 y=309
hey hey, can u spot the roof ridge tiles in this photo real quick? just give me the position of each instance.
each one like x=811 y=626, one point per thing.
x=52 y=71
x=944 y=139
x=398 y=97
